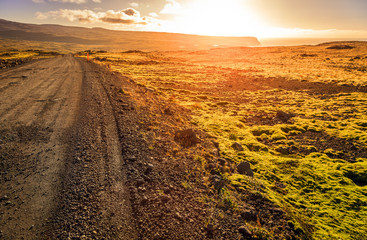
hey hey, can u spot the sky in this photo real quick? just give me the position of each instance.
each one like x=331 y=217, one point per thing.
x=259 y=18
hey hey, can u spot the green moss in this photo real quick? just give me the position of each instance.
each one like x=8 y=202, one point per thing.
x=324 y=195
x=357 y=173
x=259 y=130
x=289 y=128
x=256 y=146
x=232 y=137
x=277 y=136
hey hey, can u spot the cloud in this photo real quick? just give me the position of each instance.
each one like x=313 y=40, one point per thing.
x=41 y=16
x=127 y=16
x=83 y=16
x=171 y=7
x=69 y=1
x=134 y=4
x=131 y=12
x=66 y=1
x=153 y=14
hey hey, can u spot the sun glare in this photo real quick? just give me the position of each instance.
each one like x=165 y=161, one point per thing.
x=219 y=18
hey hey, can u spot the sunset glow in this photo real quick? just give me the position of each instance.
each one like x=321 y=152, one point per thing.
x=262 y=19
x=218 y=18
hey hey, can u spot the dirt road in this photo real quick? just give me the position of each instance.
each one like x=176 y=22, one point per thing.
x=61 y=172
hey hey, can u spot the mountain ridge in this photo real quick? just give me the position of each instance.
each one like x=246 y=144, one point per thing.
x=117 y=40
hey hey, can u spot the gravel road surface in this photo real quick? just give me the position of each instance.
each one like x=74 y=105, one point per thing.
x=61 y=173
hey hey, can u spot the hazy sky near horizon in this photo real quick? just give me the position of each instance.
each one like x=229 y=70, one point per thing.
x=260 y=18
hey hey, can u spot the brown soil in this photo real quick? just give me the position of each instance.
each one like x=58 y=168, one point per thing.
x=86 y=153
x=234 y=83
x=341 y=148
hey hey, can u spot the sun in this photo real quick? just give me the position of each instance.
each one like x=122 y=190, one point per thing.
x=219 y=18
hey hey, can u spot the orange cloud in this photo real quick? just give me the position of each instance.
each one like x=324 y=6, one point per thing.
x=127 y=16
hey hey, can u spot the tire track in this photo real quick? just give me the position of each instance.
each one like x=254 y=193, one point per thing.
x=31 y=90
x=34 y=155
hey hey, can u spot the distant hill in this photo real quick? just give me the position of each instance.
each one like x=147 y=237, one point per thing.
x=100 y=38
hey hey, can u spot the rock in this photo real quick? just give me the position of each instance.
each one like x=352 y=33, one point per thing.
x=4 y=198
x=222 y=161
x=139 y=182
x=144 y=200
x=216 y=181
x=211 y=166
x=165 y=198
x=283 y=116
x=249 y=215
x=168 y=111
x=283 y=150
x=166 y=190
x=280 y=185
x=178 y=216
x=142 y=189
x=245 y=169
x=149 y=168
x=131 y=159
x=215 y=152
x=149 y=89
x=210 y=228
x=237 y=146
x=186 y=138
x=277 y=210
x=245 y=231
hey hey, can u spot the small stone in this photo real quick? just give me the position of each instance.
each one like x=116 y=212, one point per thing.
x=222 y=161
x=144 y=200
x=237 y=146
x=139 y=182
x=245 y=231
x=216 y=181
x=280 y=185
x=249 y=215
x=211 y=166
x=165 y=198
x=215 y=152
x=168 y=111
x=149 y=168
x=141 y=189
x=245 y=168
x=178 y=216
x=131 y=158
x=166 y=190
x=4 y=198
x=210 y=228
x=149 y=89
x=277 y=211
